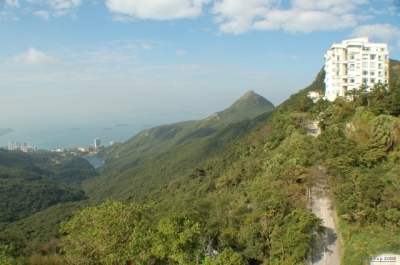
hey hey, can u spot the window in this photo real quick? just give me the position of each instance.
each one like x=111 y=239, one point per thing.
x=351 y=57
x=372 y=73
x=365 y=57
x=365 y=72
x=352 y=65
x=372 y=56
x=386 y=73
x=372 y=65
x=379 y=65
x=352 y=80
x=366 y=48
x=380 y=73
x=382 y=49
x=379 y=57
x=365 y=65
x=338 y=57
x=372 y=80
x=365 y=80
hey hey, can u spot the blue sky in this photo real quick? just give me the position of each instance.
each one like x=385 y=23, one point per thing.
x=162 y=61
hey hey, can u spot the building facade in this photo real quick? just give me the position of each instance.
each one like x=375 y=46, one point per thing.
x=97 y=142
x=353 y=63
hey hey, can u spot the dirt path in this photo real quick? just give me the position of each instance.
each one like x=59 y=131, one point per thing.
x=326 y=250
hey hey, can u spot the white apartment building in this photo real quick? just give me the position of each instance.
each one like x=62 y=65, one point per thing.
x=352 y=63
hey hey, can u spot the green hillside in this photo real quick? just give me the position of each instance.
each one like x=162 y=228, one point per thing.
x=31 y=183
x=138 y=181
x=157 y=140
x=251 y=199
x=240 y=192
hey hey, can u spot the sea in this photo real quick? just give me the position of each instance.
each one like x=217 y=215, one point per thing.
x=95 y=161
x=65 y=136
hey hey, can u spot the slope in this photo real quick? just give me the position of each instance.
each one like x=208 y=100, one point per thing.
x=138 y=181
x=252 y=198
x=157 y=140
x=30 y=183
x=247 y=197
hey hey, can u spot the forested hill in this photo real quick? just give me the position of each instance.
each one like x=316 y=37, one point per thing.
x=249 y=202
x=31 y=183
x=154 y=141
x=238 y=196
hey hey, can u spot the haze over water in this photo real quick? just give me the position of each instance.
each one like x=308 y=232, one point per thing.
x=50 y=138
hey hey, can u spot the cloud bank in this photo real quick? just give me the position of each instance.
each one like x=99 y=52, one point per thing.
x=238 y=16
x=384 y=32
x=158 y=9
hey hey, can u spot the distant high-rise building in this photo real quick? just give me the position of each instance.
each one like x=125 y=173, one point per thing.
x=10 y=145
x=97 y=142
x=355 y=62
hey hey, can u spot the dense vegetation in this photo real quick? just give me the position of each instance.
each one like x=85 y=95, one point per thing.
x=238 y=195
x=137 y=182
x=32 y=183
x=152 y=142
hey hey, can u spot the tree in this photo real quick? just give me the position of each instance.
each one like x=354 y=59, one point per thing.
x=226 y=257
x=177 y=240
x=111 y=233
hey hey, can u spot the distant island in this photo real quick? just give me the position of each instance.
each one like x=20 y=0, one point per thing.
x=121 y=124
x=5 y=131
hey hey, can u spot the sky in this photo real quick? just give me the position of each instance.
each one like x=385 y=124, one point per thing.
x=73 y=62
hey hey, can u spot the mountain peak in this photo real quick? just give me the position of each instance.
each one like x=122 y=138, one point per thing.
x=249 y=105
x=250 y=100
x=248 y=94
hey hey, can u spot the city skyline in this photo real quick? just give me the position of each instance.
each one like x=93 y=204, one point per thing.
x=77 y=62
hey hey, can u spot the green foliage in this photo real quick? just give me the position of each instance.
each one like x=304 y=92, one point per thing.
x=6 y=255
x=35 y=231
x=226 y=257
x=111 y=233
x=155 y=141
x=31 y=183
x=176 y=240
x=239 y=190
x=360 y=147
x=164 y=170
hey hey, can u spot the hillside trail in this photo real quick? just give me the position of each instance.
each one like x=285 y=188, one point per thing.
x=326 y=248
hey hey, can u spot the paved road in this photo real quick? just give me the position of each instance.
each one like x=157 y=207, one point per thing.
x=326 y=250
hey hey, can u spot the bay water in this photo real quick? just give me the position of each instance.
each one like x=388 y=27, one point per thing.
x=55 y=137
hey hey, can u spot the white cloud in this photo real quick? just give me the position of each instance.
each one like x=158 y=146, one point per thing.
x=157 y=9
x=42 y=13
x=35 y=57
x=180 y=53
x=34 y=1
x=146 y=46
x=384 y=32
x=388 y=10
x=14 y=3
x=63 y=4
x=238 y=16
x=53 y=8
